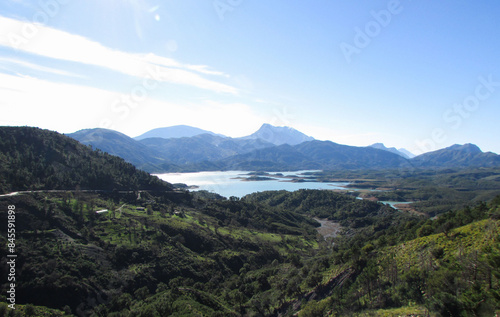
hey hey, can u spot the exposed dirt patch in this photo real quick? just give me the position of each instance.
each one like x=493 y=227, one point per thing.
x=328 y=228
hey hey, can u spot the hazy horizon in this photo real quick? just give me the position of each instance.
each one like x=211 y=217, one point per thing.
x=386 y=145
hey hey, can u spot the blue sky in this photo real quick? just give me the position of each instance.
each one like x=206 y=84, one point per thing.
x=420 y=75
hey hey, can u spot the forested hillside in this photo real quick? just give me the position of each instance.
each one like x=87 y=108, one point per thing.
x=231 y=257
x=35 y=159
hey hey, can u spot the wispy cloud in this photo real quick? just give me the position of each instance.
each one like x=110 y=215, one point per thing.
x=36 y=67
x=61 y=45
x=169 y=62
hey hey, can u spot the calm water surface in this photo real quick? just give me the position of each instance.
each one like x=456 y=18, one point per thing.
x=227 y=183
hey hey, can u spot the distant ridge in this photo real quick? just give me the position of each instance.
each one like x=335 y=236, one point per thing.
x=177 y=131
x=457 y=155
x=402 y=152
x=323 y=155
x=407 y=153
x=279 y=135
x=202 y=147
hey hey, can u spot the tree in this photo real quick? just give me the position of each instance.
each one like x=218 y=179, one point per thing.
x=142 y=293
x=238 y=298
x=29 y=310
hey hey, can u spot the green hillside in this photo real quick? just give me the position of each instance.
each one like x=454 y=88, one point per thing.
x=232 y=258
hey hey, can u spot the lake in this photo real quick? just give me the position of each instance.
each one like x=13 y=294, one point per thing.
x=232 y=183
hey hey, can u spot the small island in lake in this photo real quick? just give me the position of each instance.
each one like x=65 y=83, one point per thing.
x=257 y=179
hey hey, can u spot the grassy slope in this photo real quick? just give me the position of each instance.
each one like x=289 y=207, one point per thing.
x=452 y=274
x=460 y=264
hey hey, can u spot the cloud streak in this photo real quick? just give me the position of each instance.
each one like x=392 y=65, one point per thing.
x=61 y=45
x=38 y=67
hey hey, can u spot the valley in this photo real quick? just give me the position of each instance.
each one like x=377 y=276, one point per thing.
x=96 y=236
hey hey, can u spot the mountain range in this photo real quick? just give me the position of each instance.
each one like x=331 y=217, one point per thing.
x=269 y=148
